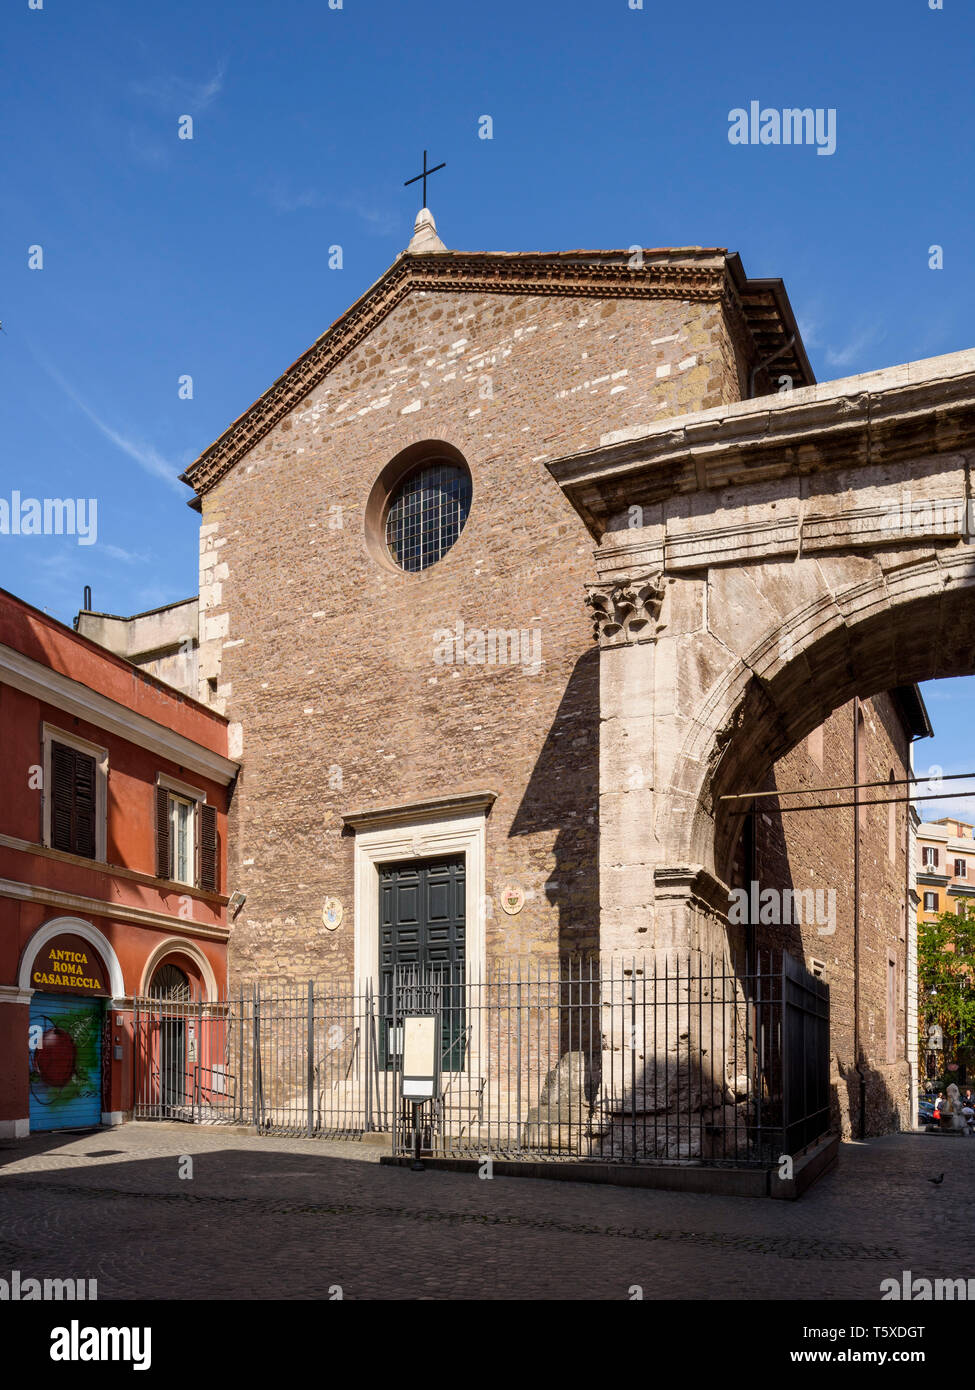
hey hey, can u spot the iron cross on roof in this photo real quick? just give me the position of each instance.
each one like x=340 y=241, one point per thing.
x=424 y=176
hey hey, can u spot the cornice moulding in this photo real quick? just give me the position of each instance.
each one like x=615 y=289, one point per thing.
x=695 y=273
x=98 y=866
x=754 y=441
x=33 y=678
x=99 y=907
x=411 y=813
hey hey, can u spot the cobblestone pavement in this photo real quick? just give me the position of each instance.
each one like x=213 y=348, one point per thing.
x=292 y=1218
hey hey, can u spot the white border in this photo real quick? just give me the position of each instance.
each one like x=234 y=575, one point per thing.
x=13 y=994
x=102 y=907
x=183 y=789
x=425 y=839
x=73 y=926
x=198 y=797
x=34 y=678
x=185 y=948
x=50 y=733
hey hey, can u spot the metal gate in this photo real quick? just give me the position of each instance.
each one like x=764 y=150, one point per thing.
x=292 y=1059
x=805 y=1056
x=182 y=1059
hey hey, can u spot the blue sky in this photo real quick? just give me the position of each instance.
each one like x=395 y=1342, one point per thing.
x=209 y=257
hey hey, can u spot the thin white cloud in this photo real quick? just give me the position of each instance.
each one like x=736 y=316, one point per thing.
x=170 y=91
x=148 y=458
x=295 y=202
x=963 y=809
x=128 y=557
x=960 y=807
x=809 y=332
x=148 y=150
x=378 y=220
x=381 y=221
x=941 y=691
x=847 y=356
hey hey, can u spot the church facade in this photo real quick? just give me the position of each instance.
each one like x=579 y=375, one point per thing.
x=378 y=705
x=393 y=617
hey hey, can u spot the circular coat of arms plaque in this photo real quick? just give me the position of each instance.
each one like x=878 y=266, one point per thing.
x=332 y=913
x=512 y=898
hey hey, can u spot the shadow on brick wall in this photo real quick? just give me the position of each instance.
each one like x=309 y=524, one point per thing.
x=884 y=1089
x=563 y=795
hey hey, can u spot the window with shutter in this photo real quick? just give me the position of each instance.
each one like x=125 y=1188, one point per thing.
x=62 y=800
x=182 y=840
x=186 y=835
x=162 y=832
x=73 y=800
x=208 y=847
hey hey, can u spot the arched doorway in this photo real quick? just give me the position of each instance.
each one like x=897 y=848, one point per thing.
x=192 y=963
x=169 y=982
x=171 y=993
x=68 y=1055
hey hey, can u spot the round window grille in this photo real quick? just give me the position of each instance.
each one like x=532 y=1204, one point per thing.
x=427 y=512
x=169 y=982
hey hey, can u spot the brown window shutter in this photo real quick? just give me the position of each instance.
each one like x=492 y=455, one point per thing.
x=84 y=805
x=208 y=847
x=73 y=797
x=62 y=795
x=162 y=833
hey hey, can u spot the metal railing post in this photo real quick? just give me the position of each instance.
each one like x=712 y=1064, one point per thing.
x=310 y=1073
x=256 y=1058
x=518 y=1116
x=367 y=1055
x=198 y=1050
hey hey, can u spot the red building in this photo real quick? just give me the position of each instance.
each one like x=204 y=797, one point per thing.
x=114 y=790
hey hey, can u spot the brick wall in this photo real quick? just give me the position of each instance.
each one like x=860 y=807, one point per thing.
x=816 y=849
x=324 y=655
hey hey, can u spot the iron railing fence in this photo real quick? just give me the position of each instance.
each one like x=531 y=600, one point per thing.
x=805 y=1073
x=684 y=1060
x=292 y=1059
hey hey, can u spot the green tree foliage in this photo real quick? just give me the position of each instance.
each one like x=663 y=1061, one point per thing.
x=946 y=983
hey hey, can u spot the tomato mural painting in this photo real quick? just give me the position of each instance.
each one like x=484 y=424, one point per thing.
x=65 y=1062
x=55 y=1058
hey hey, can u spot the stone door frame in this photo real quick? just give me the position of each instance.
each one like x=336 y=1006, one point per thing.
x=426 y=830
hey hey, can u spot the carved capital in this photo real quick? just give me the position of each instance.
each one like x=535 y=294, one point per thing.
x=626 y=611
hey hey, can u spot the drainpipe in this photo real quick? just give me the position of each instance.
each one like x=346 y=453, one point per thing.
x=760 y=366
x=862 y=1119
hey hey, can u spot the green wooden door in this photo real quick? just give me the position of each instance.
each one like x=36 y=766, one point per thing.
x=422 y=924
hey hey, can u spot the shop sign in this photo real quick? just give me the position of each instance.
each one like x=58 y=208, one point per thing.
x=69 y=965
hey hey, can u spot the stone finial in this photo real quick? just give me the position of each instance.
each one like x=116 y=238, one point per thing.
x=626 y=611
x=425 y=233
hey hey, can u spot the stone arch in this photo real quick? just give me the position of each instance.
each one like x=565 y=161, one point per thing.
x=175 y=946
x=71 y=926
x=900 y=625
